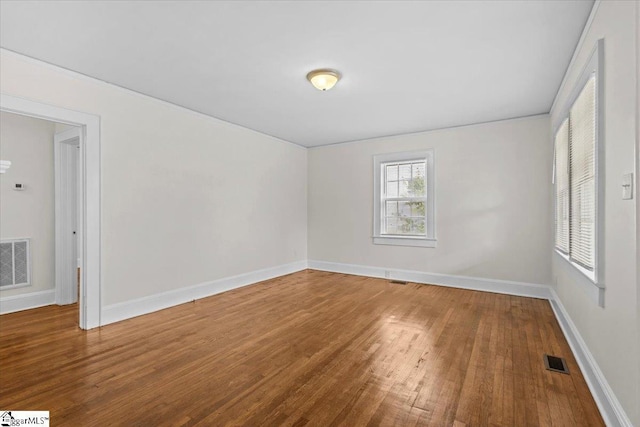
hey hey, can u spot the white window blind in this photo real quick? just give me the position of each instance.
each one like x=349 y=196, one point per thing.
x=579 y=192
x=562 y=187
x=582 y=145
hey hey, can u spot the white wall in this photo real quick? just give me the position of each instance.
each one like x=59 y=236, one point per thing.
x=611 y=332
x=635 y=191
x=186 y=198
x=28 y=144
x=61 y=127
x=492 y=202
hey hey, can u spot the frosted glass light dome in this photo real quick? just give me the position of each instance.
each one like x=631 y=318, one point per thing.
x=323 y=79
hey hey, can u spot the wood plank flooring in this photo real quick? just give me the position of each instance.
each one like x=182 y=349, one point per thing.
x=311 y=348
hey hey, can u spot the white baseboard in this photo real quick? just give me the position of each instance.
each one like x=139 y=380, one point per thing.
x=149 y=304
x=26 y=301
x=608 y=404
x=610 y=408
x=465 y=282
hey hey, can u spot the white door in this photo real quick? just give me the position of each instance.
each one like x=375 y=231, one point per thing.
x=66 y=151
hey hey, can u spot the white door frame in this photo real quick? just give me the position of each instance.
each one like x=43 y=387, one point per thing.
x=90 y=308
x=68 y=202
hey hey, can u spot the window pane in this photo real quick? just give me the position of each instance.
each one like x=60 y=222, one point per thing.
x=392 y=189
x=404 y=226
x=392 y=173
x=392 y=226
x=391 y=209
x=417 y=187
x=404 y=188
x=407 y=226
x=418 y=170
x=404 y=208
x=405 y=171
x=417 y=226
x=417 y=209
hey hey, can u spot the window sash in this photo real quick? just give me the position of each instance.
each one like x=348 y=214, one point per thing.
x=404 y=199
x=582 y=143
x=575 y=179
x=413 y=165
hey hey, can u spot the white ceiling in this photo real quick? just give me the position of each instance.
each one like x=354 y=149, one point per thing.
x=407 y=66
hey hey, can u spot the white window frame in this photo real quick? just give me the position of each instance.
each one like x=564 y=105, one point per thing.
x=427 y=241
x=595 y=66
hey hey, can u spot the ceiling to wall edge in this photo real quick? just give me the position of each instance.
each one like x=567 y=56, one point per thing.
x=85 y=77
x=583 y=36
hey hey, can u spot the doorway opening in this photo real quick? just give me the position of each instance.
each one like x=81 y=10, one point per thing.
x=82 y=216
x=68 y=215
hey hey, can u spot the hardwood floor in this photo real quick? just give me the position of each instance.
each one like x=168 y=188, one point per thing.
x=310 y=348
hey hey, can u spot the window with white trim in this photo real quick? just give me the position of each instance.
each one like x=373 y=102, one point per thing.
x=404 y=199
x=576 y=171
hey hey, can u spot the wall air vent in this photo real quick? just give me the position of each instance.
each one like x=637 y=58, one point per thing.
x=15 y=263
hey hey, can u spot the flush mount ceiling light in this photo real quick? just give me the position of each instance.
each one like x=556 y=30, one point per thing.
x=323 y=79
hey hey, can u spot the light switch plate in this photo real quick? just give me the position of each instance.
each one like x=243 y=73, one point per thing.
x=627 y=186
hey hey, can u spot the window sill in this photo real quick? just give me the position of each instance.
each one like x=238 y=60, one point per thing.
x=420 y=242
x=19 y=285
x=591 y=275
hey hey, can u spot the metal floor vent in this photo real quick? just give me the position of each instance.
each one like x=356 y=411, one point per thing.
x=556 y=364
x=398 y=282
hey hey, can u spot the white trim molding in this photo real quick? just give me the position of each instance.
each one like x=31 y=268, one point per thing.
x=583 y=36
x=21 y=302
x=608 y=404
x=463 y=282
x=145 y=305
